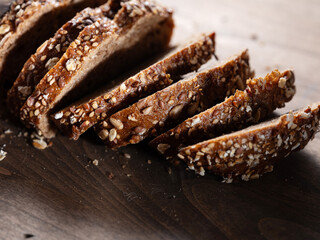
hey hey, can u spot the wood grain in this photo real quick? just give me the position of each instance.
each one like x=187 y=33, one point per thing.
x=59 y=194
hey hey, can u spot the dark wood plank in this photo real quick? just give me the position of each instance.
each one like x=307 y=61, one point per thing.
x=59 y=194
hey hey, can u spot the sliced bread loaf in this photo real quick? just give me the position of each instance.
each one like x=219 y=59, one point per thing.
x=140 y=28
x=75 y=120
x=26 y=25
x=49 y=53
x=166 y=108
x=260 y=98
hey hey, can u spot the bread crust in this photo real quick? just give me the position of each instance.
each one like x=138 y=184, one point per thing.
x=26 y=17
x=260 y=98
x=149 y=80
x=253 y=151
x=47 y=55
x=166 y=108
x=50 y=90
x=21 y=11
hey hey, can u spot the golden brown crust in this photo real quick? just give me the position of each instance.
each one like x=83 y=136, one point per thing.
x=50 y=89
x=111 y=8
x=253 y=151
x=150 y=80
x=162 y=110
x=26 y=18
x=50 y=52
x=261 y=97
x=21 y=11
x=47 y=55
x=51 y=85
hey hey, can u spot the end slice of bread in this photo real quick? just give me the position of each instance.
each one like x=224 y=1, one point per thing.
x=49 y=53
x=253 y=151
x=26 y=25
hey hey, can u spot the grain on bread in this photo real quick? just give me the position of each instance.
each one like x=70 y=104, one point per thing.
x=26 y=25
x=49 y=53
x=166 y=108
x=148 y=81
x=251 y=152
x=137 y=23
x=260 y=98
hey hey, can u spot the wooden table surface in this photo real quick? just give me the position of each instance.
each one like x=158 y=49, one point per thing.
x=58 y=194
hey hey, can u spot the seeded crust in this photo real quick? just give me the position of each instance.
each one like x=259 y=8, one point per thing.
x=135 y=21
x=162 y=110
x=49 y=53
x=253 y=151
x=26 y=19
x=260 y=98
x=75 y=120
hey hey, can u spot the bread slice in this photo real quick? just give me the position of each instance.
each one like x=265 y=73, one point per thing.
x=260 y=98
x=75 y=120
x=251 y=152
x=139 y=29
x=49 y=53
x=26 y=25
x=162 y=110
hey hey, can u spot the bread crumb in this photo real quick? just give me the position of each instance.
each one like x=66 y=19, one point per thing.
x=149 y=161
x=38 y=141
x=39 y=144
x=227 y=180
x=95 y=162
x=8 y=131
x=127 y=155
x=3 y=155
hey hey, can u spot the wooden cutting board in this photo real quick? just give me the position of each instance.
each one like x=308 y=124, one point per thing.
x=59 y=194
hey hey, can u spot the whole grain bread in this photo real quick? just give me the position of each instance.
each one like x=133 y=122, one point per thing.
x=148 y=81
x=260 y=98
x=49 y=53
x=26 y=25
x=140 y=28
x=251 y=152
x=166 y=108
